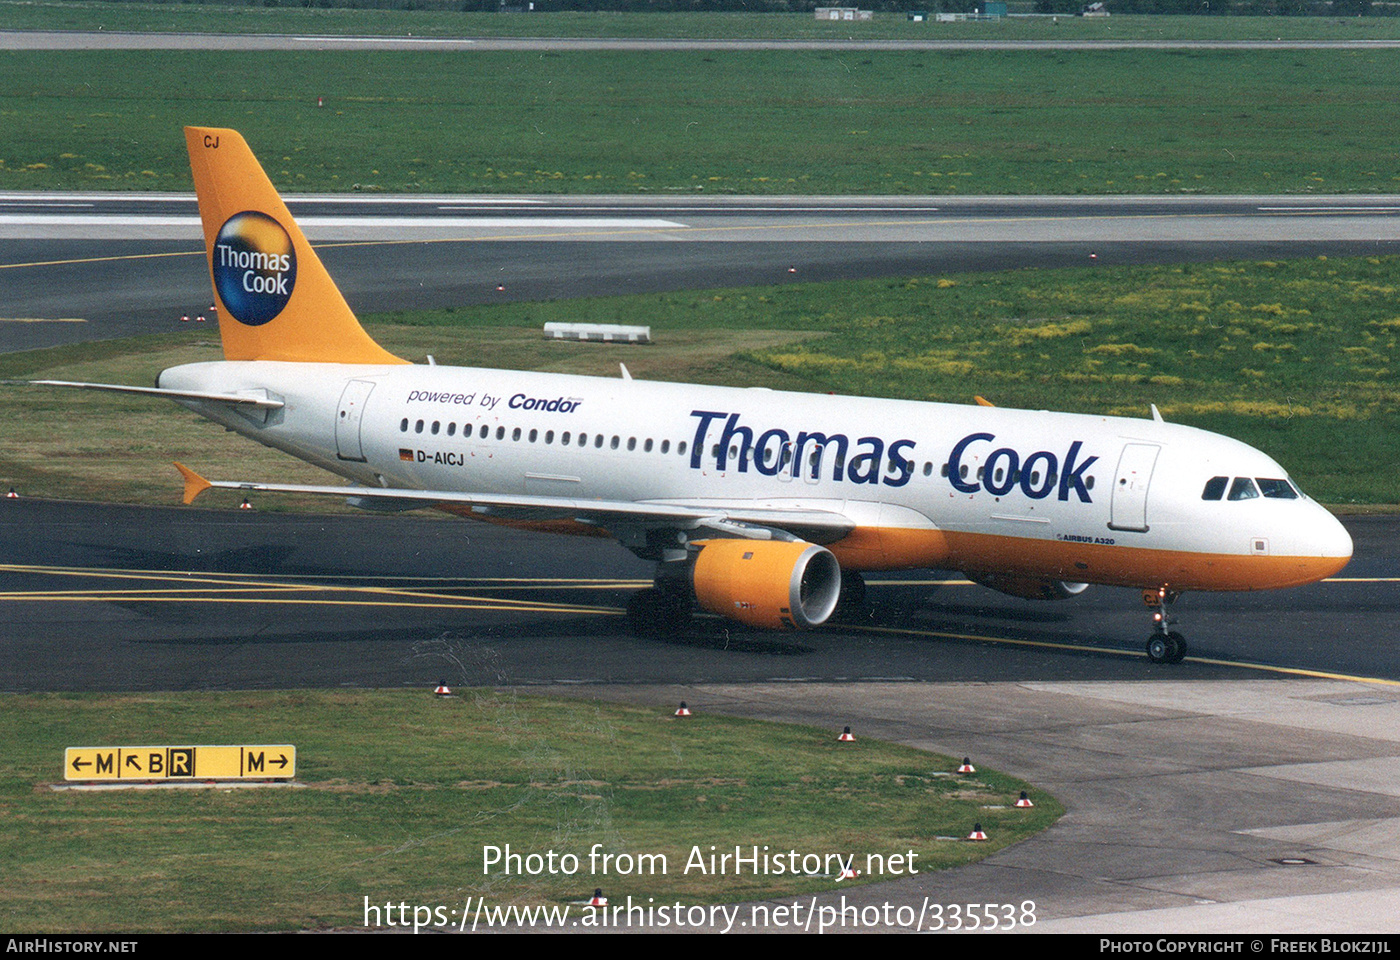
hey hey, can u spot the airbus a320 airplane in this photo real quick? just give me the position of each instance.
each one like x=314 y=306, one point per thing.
x=760 y=506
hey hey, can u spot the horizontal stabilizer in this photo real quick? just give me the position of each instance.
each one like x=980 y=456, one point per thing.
x=194 y=483
x=251 y=400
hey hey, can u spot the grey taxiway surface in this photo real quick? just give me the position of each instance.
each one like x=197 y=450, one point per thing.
x=1190 y=791
x=116 y=40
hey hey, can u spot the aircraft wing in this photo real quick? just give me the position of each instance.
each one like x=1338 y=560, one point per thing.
x=730 y=518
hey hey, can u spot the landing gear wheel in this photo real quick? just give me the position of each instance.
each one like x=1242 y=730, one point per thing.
x=1166 y=647
x=1158 y=648
x=655 y=613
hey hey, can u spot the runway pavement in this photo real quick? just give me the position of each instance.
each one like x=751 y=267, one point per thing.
x=115 y=598
x=76 y=267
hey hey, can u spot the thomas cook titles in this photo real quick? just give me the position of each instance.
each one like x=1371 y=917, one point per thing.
x=254 y=267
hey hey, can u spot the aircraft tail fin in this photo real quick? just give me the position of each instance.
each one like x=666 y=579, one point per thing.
x=275 y=299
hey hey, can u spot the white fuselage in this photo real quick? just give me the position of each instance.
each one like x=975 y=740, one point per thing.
x=1022 y=493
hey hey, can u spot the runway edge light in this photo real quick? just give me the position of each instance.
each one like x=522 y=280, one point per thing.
x=846 y=736
x=683 y=710
x=1025 y=801
x=977 y=833
x=967 y=766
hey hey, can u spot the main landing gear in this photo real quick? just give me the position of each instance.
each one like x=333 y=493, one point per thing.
x=1165 y=645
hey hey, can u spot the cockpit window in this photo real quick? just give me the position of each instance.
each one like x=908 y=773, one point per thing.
x=1243 y=489
x=1215 y=488
x=1277 y=489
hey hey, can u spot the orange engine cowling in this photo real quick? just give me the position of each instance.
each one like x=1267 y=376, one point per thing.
x=767 y=583
x=1028 y=588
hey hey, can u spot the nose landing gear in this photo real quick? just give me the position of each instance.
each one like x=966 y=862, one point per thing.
x=1165 y=644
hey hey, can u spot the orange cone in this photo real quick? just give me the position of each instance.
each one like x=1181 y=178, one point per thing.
x=846 y=736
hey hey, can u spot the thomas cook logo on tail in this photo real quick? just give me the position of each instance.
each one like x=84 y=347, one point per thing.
x=254 y=266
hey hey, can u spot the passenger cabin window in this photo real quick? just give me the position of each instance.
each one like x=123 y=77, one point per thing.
x=1215 y=488
x=403 y=425
x=1243 y=489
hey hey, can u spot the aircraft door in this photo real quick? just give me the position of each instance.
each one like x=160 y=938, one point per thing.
x=1128 y=510
x=348 y=419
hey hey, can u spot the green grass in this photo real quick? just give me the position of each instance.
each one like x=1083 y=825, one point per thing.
x=215 y=18
x=753 y=122
x=1293 y=357
x=403 y=791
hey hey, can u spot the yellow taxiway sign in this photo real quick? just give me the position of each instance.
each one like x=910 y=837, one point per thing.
x=262 y=762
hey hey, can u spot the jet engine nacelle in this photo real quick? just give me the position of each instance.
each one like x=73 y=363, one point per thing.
x=767 y=583
x=1028 y=588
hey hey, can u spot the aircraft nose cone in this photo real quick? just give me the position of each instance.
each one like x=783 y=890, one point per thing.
x=1330 y=543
